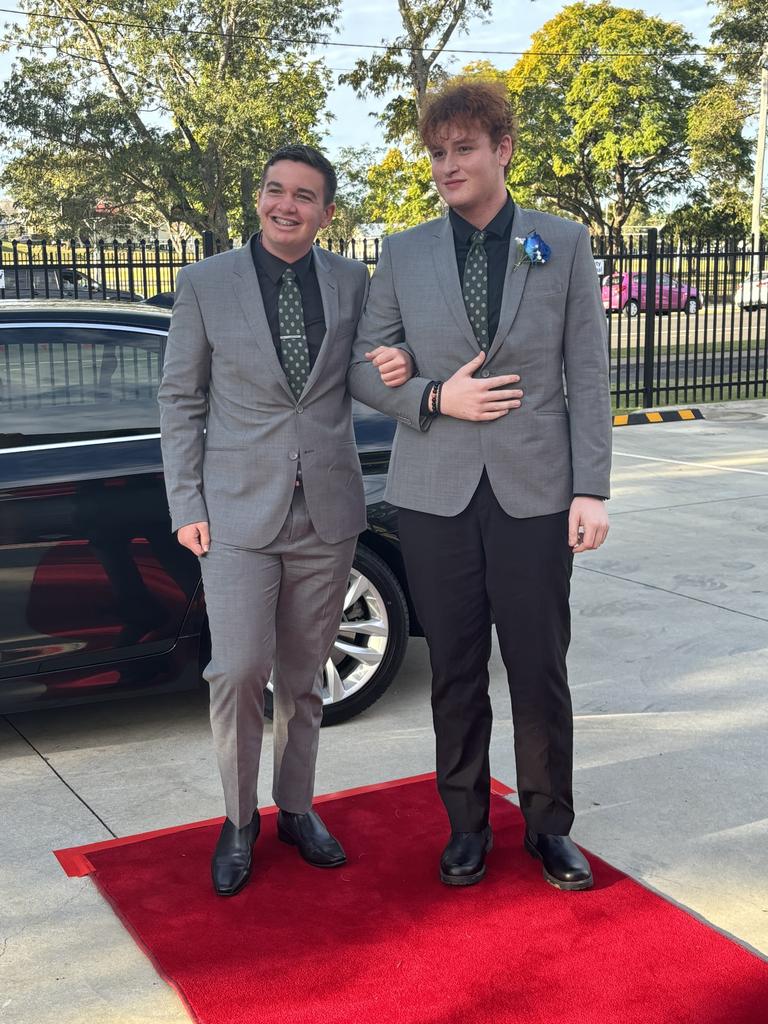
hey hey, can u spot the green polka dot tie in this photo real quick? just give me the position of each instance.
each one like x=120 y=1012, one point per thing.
x=475 y=288
x=293 y=336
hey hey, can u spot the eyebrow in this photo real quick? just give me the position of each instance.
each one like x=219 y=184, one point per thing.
x=461 y=139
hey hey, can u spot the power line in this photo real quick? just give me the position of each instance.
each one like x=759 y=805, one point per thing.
x=387 y=47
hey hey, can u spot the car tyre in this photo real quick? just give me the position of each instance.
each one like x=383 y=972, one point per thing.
x=374 y=589
x=691 y=307
x=631 y=308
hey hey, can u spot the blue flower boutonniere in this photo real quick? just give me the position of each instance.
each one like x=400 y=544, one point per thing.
x=532 y=249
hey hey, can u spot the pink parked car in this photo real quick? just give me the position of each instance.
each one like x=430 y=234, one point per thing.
x=626 y=293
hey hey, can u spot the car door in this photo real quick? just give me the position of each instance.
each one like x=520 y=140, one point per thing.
x=637 y=288
x=663 y=292
x=89 y=570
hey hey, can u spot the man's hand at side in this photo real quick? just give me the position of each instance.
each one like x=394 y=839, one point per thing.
x=395 y=366
x=467 y=398
x=587 y=524
x=196 y=537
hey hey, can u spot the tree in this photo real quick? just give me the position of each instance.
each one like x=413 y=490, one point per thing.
x=401 y=191
x=739 y=30
x=701 y=216
x=168 y=105
x=352 y=208
x=721 y=157
x=604 y=96
x=411 y=59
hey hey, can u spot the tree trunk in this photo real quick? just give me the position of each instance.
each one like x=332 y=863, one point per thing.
x=250 y=217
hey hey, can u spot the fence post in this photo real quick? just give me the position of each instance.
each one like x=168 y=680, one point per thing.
x=209 y=246
x=649 y=338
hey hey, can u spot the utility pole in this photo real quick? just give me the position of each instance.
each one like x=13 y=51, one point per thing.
x=757 y=198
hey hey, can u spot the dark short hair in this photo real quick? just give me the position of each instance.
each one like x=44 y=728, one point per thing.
x=469 y=103
x=310 y=156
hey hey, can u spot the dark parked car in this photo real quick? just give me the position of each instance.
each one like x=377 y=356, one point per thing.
x=54 y=282
x=97 y=598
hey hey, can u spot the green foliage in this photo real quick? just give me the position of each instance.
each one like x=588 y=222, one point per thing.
x=401 y=191
x=352 y=206
x=603 y=127
x=701 y=216
x=168 y=106
x=720 y=155
x=411 y=61
x=739 y=30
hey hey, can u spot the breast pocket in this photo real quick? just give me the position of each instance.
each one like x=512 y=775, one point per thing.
x=542 y=289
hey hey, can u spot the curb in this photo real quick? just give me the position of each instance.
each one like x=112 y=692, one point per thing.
x=631 y=419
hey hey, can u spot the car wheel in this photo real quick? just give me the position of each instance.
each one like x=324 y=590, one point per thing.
x=692 y=307
x=631 y=308
x=370 y=644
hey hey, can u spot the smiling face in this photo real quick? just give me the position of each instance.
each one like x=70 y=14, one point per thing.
x=469 y=171
x=292 y=209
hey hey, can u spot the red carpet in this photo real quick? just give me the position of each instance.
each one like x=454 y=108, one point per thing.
x=382 y=941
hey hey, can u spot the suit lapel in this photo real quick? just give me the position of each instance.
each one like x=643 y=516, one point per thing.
x=330 y=296
x=447 y=272
x=514 y=281
x=248 y=292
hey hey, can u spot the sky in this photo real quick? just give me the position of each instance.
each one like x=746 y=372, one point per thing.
x=510 y=28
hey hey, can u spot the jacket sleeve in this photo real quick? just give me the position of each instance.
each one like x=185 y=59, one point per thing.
x=585 y=351
x=381 y=324
x=183 y=398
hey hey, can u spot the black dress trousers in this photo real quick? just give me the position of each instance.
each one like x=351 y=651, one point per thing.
x=463 y=571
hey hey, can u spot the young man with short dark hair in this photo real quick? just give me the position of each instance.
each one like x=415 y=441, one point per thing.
x=264 y=485
x=499 y=475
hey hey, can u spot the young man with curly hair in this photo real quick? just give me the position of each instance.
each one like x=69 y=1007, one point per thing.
x=500 y=465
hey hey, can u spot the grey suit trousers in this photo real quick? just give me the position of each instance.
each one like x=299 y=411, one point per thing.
x=277 y=606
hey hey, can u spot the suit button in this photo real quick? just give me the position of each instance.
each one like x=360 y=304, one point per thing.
x=293 y=456
x=299 y=408
x=486 y=373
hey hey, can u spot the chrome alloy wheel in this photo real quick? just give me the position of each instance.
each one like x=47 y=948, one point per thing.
x=361 y=642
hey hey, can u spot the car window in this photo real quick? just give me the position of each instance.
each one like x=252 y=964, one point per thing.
x=69 y=383
x=39 y=275
x=68 y=281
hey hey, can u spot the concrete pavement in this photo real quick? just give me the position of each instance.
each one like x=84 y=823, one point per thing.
x=668 y=673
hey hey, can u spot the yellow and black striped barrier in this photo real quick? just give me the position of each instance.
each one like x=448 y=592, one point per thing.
x=630 y=419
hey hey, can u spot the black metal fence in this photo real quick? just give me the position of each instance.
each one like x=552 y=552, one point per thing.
x=128 y=271
x=686 y=320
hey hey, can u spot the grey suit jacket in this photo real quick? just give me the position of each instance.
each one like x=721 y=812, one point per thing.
x=231 y=430
x=552 y=329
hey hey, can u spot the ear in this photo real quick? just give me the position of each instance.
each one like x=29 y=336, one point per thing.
x=505 y=149
x=328 y=213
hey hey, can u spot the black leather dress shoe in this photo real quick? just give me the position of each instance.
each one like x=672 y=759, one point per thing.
x=232 y=858
x=316 y=844
x=565 y=866
x=463 y=860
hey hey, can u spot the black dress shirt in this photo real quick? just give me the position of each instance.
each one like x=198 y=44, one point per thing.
x=498 y=234
x=269 y=270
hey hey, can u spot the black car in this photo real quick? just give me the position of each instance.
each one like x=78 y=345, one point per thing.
x=23 y=281
x=97 y=598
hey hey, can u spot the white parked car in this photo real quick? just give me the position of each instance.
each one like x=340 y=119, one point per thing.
x=752 y=292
